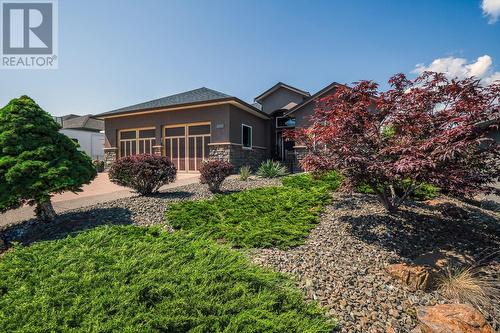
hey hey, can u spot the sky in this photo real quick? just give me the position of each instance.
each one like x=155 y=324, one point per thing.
x=115 y=53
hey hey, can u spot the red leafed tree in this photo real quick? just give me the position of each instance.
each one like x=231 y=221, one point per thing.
x=430 y=129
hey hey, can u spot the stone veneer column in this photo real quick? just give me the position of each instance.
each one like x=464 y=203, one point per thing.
x=219 y=151
x=110 y=156
x=158 y=150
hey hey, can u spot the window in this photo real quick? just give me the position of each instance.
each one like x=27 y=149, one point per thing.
x=246 y=136
x=285 y=122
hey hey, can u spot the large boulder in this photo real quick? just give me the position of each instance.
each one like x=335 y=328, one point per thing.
x=416 y=277
x=452 y=318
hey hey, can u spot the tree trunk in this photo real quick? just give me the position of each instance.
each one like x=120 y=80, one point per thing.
x=387 y=202
x=45 y=212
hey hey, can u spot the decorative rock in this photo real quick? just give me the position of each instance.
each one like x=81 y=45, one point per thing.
x=416 y=277
x=440 y=259
x=456 y=318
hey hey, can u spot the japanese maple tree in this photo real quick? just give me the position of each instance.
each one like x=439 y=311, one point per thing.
x=428 y=130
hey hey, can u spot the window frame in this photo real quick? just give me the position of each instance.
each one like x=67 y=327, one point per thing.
x=250 y=136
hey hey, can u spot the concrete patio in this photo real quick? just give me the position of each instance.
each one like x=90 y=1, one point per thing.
x=100 y=190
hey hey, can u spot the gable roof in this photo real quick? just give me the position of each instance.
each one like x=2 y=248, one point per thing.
x=281 y=85
x=83 y=122
x=69 y=116
x=314 y=97
x=185 y=99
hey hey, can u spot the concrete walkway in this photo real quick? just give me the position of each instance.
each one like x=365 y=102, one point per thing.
x=100 y=190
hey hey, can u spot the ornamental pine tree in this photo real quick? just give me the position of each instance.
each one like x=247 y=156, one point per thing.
x=427 y=130
x=36 y=160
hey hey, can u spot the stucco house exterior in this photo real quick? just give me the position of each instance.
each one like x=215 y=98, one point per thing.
x=87 y=131
x=203 y=124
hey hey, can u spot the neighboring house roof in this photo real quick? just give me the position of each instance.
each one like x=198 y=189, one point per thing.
x=314 y=97
x=83 y=123
x=190 y=98
x=276 y=87
x=69 y=116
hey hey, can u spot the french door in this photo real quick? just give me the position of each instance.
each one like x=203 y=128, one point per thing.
x=187 y=145
x=136 y=141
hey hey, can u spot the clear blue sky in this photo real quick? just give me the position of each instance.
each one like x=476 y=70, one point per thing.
x=116 y=53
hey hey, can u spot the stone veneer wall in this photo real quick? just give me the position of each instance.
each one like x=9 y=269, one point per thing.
x=158 y=150
x=237 y=156
x=110 y=156
x=299 y=153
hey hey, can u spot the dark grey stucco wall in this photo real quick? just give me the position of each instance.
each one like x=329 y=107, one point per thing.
x=214 y=114
x=279 y=99
x=303 y=114
x=260 y=127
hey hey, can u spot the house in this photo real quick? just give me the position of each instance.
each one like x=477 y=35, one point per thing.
x=202 y=124
x=87 y=131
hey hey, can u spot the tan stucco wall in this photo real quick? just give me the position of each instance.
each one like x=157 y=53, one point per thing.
x=261 y=130
x=213 y=114
x=225 y=122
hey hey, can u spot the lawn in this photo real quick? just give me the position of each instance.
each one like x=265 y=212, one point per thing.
x=131 y=279
x=261 y=218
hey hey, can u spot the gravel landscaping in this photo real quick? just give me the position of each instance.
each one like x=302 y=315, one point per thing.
x=139 y=210
x=342 y=263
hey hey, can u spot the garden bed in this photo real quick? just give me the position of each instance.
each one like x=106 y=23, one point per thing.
x=342 y=262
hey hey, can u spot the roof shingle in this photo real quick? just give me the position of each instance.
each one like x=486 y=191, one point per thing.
x=192 y=96
x=84 y=122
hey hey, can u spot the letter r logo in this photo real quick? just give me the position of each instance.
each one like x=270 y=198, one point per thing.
x=27 y=28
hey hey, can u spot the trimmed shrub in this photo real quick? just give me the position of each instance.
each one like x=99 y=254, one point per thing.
x=330 y=181
x=245 y=172
x=98 y=165
x=36 y=161
x=425 y=192
x=143 y=173
x=137 y=279
x=266 y=217
x=272 y=169
x=213 y=174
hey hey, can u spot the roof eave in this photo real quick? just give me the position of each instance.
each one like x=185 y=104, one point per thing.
x=227 y=100
x=277 y=86
x=313 y=97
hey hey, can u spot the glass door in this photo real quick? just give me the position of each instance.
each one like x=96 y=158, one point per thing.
x=187 y=145
x=198 y=150
x=175 y=146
